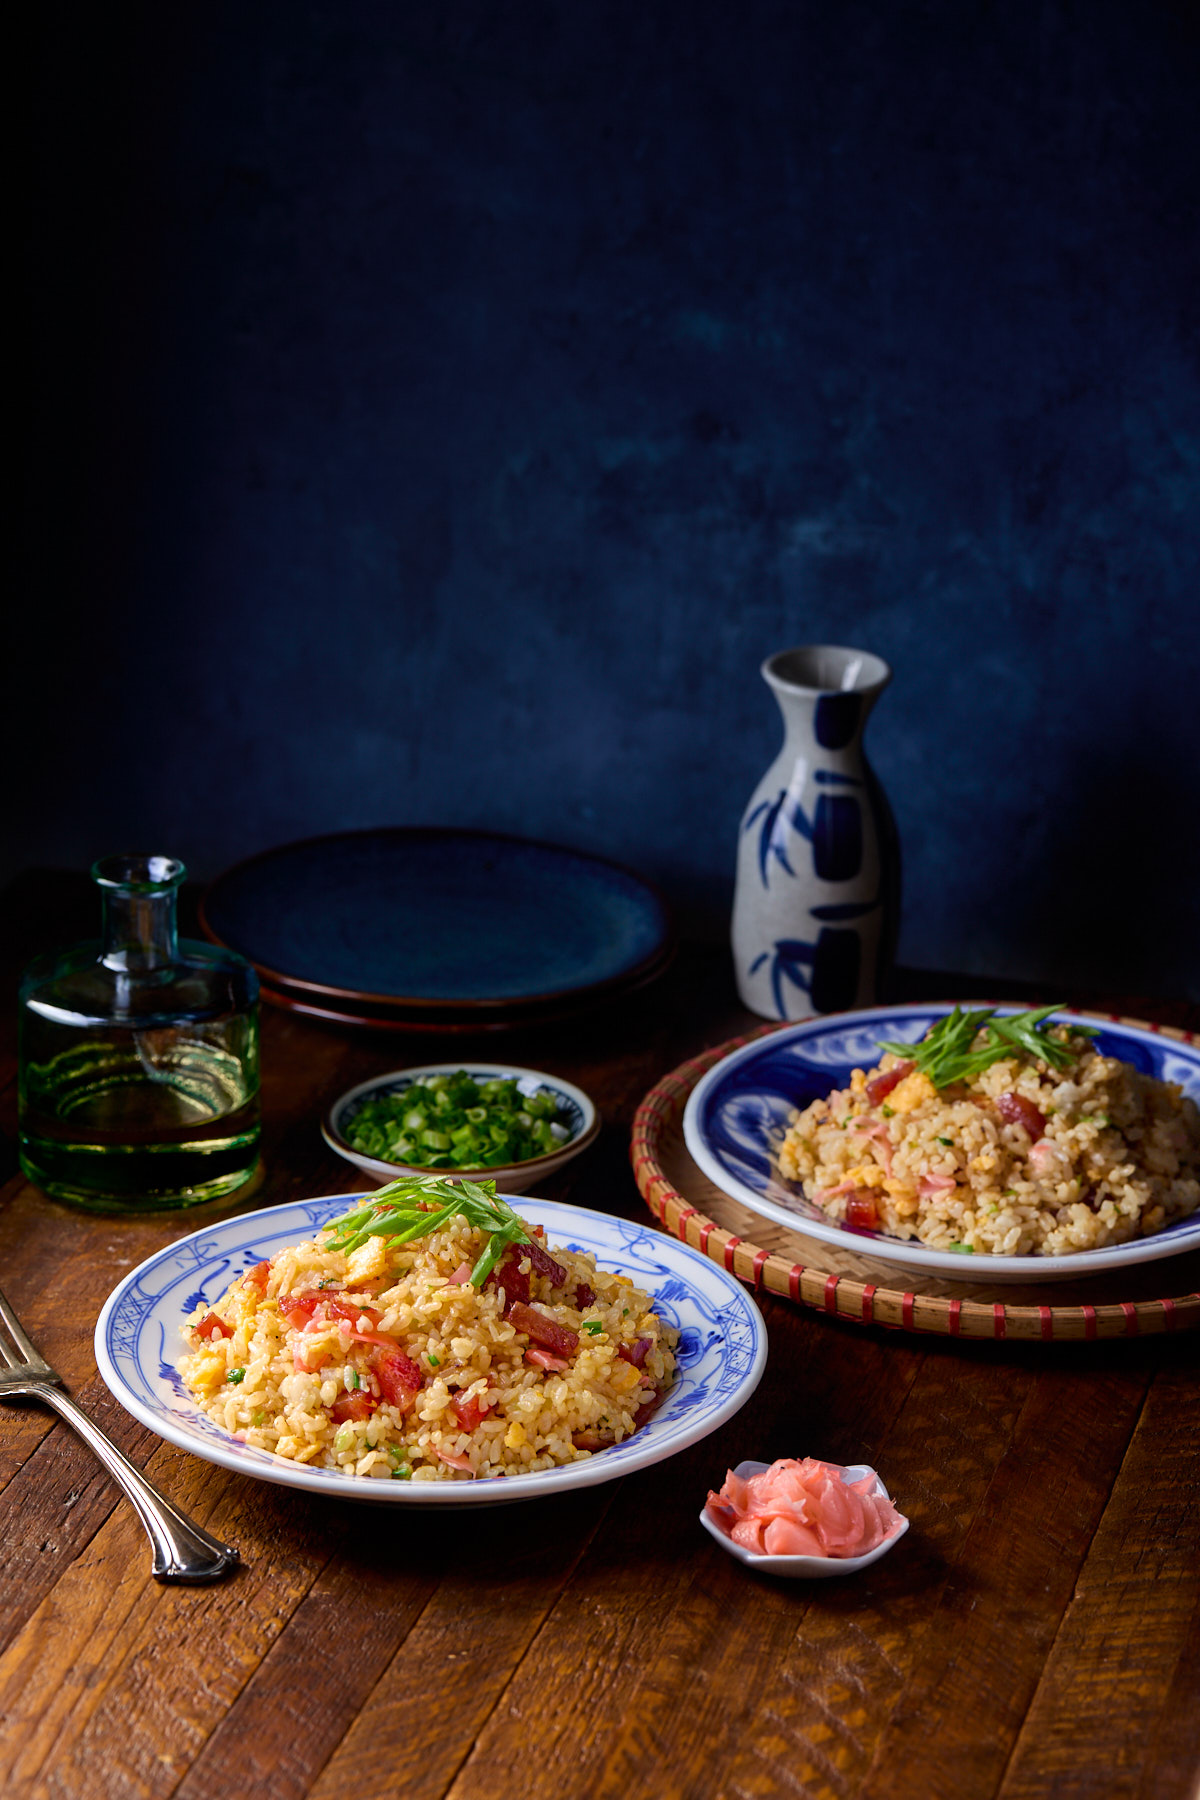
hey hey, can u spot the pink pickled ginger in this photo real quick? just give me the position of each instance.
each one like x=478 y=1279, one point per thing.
x=803 y=1509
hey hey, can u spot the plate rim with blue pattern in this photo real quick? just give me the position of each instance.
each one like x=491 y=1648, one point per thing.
x=741 y=1106
x=723 y=1349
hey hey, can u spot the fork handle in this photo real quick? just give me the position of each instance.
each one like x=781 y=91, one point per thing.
x=183 y=1551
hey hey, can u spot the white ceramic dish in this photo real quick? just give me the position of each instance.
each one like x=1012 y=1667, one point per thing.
x=807 y=1568
x=582 y=1117
x=722 y=1351
x=737 y=1114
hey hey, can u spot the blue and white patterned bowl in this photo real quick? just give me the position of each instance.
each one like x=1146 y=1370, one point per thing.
x=722 y=1350
x=737 y=1114
x=582 y=1120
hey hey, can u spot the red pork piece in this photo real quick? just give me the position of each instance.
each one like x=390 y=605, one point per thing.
x=862 y=1210
x=469 y=1410
x=352 y=1406
x=1015 y=1109
x=593 y=1440
x=507 y=1274
x=257 y=1277
x=542 y=1359
x=584 y=1296
x=212 y=1327
x=399 y=1378
x=300 y=1309
x=558 y=1339
x=455 y=1458
x=645 y=1410
x=880 y=1086
x=635 y=1353
x=544 y=1263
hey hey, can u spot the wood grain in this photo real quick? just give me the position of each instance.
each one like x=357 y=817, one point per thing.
x=1036 y=1633
x=1130 y=1643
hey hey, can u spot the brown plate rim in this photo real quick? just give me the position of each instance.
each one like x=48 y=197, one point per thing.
x=416 y=1003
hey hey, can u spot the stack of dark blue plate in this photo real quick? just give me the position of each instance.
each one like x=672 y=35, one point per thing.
x=417 y=928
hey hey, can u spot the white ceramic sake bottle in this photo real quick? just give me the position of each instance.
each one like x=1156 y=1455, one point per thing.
x=817 y=902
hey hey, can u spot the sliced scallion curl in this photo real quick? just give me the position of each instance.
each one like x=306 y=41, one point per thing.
x=964 y=1044
x=418 y=1205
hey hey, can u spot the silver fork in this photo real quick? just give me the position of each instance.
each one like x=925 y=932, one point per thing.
x=182 y=1550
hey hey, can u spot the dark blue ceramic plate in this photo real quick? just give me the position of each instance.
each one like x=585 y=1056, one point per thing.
x=425 y=919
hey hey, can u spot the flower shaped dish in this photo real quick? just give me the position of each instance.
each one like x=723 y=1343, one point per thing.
x=805 y=1568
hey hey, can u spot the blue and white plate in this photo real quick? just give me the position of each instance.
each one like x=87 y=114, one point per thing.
x=737 y=1114
x=575 y=1112
x=722 y=1348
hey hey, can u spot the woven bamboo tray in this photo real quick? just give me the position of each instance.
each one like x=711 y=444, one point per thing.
x=1144 y=1299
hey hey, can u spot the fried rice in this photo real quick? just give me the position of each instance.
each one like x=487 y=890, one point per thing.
x=1023 y=1160
x=387 y=1363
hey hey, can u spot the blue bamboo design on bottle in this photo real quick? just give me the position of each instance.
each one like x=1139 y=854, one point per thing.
x=835 y=833
x=832 y=962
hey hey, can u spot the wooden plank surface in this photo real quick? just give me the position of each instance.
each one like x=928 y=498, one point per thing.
x=1037 y=1632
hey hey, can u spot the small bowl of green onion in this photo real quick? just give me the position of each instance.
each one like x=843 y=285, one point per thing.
x=492 y=1120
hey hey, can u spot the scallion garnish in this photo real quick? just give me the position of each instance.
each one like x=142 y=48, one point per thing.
x=237 y=1376
x=592 y=1325
x=417 y=1205
x=949 y=1051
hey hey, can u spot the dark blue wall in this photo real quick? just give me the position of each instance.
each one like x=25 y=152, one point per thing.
x=441 y=410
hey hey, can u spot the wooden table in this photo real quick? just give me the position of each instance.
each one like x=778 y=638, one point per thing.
x=1037 y=1632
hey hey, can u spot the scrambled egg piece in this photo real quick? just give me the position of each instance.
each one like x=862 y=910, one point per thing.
x=368 y=1261
x=514 y=1437
x=869 y=1175
x=208 y=1372
x=910 y=1093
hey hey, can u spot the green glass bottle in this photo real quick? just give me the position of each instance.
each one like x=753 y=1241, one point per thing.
x=139 y=1057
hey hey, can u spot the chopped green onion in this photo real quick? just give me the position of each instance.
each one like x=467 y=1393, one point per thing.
x=236 y=1376
x=592 y=1325
x=949 y=1142
x=456 y=1122
x=889 y=1112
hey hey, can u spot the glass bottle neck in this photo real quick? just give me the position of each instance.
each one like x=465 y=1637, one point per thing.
x=139 y=930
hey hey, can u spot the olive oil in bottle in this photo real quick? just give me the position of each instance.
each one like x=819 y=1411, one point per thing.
x=139 y=1057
